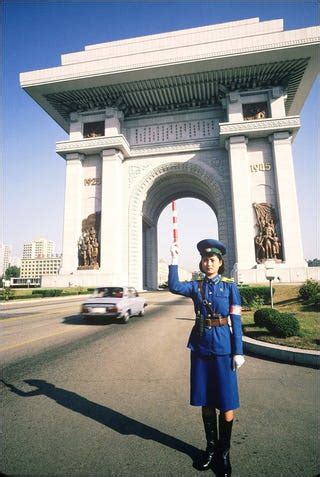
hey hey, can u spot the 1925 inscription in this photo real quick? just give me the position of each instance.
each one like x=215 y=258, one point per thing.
x=92 y=181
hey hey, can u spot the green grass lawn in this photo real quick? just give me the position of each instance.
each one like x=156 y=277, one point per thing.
x=286 y=300
x=22 y=293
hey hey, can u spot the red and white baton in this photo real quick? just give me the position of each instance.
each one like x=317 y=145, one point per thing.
x=174 y=222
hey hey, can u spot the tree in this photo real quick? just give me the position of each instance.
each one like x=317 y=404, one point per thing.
x=314 y=263
x=11 y=272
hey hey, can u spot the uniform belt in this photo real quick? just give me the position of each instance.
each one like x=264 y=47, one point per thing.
x=218 y=320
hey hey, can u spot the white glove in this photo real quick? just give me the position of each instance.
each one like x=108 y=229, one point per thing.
x=238 y=361
x=174 y=250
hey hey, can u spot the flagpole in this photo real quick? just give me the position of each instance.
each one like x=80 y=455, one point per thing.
x=174 y=222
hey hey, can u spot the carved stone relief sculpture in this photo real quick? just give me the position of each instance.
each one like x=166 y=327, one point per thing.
x=267 y=242
x=88 y=243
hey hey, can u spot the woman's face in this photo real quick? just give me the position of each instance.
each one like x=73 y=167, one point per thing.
x=211 y=265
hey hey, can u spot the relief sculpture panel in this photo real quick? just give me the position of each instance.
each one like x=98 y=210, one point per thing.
x=267 y=241
x=88 y=243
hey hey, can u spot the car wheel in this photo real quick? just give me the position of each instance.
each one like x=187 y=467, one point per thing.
x=142 y=312
x=126 y=317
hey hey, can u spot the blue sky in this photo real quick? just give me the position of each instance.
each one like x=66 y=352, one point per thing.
x=35 y=34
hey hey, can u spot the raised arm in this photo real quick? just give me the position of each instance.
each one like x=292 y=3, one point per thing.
x=175 y=286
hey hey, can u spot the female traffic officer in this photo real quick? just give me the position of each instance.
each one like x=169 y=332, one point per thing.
x=216 y=349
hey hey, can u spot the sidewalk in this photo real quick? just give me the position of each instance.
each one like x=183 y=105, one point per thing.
x=284 y=354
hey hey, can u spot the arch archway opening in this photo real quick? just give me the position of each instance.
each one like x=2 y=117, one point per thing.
x=193 y=182
x=196 y=221
x=165 y=189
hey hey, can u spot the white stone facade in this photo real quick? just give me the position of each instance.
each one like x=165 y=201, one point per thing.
x=158 y=118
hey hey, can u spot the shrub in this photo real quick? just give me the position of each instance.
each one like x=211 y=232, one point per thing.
x=48 y=293
x=257 y=302
x=314 y=301
x=82 y=291
x=69 y=292
x=253 y=295
x=7 y=294
x=309 y=290
x=34 y=295
x=283 y=325
x=261 y=316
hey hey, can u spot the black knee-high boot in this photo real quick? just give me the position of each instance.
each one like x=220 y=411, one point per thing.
x=210 y=427
x=225 y=431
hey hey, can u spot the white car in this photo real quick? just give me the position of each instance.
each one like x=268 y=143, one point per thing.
x=116 y=302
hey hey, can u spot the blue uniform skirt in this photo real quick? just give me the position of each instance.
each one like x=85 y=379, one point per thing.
x=213 y=382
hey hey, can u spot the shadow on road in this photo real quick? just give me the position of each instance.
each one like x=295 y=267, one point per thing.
x=97 y=320
x=104 y=415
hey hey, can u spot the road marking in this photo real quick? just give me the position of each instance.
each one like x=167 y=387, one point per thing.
x=36 y=339
x=35 y=315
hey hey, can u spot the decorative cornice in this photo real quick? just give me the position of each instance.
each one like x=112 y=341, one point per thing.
x=174 y=148
x=92 y=146
x=97 y=145
x=259 y=128
x=72 y=74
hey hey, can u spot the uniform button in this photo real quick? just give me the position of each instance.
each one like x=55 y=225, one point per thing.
x=210 y=293
x=209 y=303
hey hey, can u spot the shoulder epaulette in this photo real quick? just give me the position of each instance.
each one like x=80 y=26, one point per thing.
x=227 y=280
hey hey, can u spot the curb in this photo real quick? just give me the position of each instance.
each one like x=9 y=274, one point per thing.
x=284 y=354
x=40 y=300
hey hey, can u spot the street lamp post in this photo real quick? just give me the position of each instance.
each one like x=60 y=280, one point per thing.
x=270 y=275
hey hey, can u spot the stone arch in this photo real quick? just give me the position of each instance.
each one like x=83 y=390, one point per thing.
x=157 y=188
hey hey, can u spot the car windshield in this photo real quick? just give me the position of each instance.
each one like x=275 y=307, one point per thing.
x=114 y=292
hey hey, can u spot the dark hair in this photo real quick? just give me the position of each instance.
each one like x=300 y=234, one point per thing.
x=221 y=268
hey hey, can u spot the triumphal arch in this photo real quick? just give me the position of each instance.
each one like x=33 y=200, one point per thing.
x=207 y=112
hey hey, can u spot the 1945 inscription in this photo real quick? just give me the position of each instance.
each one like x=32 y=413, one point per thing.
x=260 y=167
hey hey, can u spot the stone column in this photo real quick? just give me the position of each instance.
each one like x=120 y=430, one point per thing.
x=241 y=202
x=112 y=214
x=72 y=212
x=150 y=255
x=287 y=199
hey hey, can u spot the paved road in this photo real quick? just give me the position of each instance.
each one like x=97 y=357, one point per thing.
x=112 y=400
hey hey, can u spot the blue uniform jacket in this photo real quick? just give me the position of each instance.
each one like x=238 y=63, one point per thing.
x=225 y=299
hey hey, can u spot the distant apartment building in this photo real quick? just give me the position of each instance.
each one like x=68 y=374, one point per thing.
x=5 y=255
x=39 y=258
x=38 y=248
x=36 y=267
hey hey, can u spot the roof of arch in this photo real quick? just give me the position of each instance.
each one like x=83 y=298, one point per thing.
x=181 y=69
